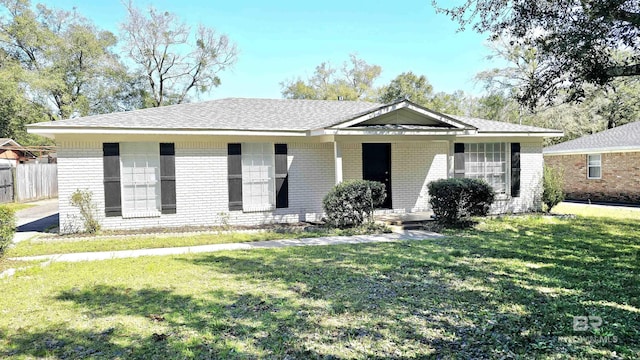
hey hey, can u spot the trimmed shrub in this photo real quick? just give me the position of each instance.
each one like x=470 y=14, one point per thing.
x=455 y=200
x=7 y=228
x=352 y=202
x=83 y=200
x=552 y=192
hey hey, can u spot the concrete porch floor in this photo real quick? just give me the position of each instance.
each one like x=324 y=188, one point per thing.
x=406 y=217
x=405 y=221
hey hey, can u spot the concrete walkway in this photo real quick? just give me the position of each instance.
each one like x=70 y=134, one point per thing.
x=331 y=240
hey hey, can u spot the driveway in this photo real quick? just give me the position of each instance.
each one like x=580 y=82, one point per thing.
x=37 y=219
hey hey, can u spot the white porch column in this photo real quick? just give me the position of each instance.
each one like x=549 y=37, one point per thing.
x=337 y=161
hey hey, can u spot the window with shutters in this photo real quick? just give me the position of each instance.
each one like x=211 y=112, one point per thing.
x=487 y=161
x=258 y=177
x=140 y=179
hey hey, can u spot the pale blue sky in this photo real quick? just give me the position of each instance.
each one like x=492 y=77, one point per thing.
x=280 y=40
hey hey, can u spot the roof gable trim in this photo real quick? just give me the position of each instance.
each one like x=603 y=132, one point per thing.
x=403 y=104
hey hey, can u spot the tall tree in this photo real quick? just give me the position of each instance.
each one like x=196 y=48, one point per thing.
x=355 y=81
x=63 y=58
x=576 y=39
x=173 y=60
x=456 y=103
x=497 y=106
x=16 y=110
x=519 y=77
x=620 y=104
x=410 y=86
x=417 y=89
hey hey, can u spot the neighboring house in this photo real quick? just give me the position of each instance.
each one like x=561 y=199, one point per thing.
x=253 y=161
x=601 y=167
x=12 y=153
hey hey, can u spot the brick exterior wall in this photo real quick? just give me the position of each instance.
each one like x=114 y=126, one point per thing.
x=201 y=186
x=413 y=166
x=202 y=190
x=620 y=180
x=530 y=198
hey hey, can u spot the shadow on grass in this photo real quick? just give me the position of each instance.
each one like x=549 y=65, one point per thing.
x=508 y=290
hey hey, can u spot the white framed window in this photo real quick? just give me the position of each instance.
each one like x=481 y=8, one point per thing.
x=140 y=179
x=594 y=166
x=258 y=177
x=487 y=161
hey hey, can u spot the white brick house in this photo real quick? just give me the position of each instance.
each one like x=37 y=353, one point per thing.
x=252 y=161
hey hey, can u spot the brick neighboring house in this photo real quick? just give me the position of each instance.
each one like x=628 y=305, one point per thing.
x=254 y=161
x=600 y=167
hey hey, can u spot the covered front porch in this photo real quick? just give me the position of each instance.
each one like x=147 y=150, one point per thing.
x=405 y=167
x=403 y=146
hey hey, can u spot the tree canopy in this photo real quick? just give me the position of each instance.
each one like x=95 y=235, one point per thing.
x=173 y=60
x=56 y=64
x=61 y=61
x=354 y=81
x=576 y=40
x=410 y=86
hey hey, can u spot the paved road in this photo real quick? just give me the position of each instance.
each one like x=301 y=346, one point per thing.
x=36 y=219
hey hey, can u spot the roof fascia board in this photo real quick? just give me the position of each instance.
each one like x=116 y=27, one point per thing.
x=354 y=132
x=49 y=131
x=10 y=141
x=621 y=149
x=514 y=134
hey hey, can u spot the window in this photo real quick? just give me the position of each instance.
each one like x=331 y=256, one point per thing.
x=140 y=176
x=258 y=177
x=487 y=162
x=594 y=166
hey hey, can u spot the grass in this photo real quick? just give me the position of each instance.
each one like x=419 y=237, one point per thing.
x=509 y=288
x=17 y=206
x=74 y=245
x=597 y=211
x=6 y=264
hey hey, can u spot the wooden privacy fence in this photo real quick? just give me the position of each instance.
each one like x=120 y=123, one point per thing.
x=35 y=181
x=6 y=184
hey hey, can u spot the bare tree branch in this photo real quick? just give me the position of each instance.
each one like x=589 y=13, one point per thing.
x=176 y=62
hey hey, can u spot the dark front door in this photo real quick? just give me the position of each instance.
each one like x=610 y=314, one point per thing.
x=376 y=166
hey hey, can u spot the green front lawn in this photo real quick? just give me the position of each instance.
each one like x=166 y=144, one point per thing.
x=597 y=211
x=6 y=264
x=66 y=245
x=508 y=289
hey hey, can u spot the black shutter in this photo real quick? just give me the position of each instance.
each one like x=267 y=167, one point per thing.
x=515 y=169
x=282 y=178
x=111 y=167
x=458 y=160
x=168 y=177
x=234 y=170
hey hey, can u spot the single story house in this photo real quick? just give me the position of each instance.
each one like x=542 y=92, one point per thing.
x=12 y=153
x=600 y=167
x=254 y=161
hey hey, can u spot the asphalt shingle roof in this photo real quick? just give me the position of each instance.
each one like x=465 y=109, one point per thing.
x=231 y=114
x=625 y=137
x=253 y=114
x=499 y=126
